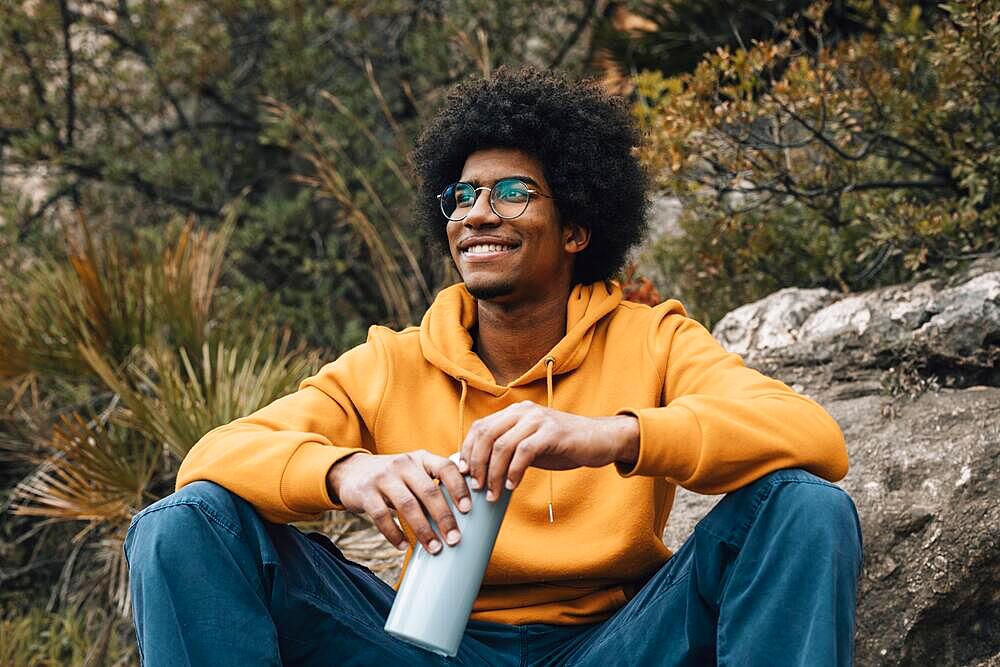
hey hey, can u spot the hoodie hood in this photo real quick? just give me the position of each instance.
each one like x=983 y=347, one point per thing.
x=447 y=344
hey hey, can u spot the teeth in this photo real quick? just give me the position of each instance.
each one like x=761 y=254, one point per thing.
x=485 y=248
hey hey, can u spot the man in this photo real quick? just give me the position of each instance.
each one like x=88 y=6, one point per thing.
x=591 y=408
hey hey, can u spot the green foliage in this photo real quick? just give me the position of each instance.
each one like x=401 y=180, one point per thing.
x=135 y=112
x=80 y=639
x=118 y=357
x=110 y=295
x=174 y=402
x=673 y=37
x=847 y=166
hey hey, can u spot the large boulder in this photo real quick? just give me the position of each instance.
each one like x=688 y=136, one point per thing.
x=911 y=375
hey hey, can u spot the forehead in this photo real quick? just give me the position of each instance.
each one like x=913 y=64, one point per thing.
x=491 y=164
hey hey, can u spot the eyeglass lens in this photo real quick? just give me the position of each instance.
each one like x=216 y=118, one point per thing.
x=508 y=199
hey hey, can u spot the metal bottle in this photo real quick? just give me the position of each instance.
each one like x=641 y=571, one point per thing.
x=434 y=600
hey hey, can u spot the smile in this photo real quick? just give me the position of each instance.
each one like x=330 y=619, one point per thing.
x=487 y=251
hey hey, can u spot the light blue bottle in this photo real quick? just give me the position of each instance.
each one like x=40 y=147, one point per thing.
x=434 y=600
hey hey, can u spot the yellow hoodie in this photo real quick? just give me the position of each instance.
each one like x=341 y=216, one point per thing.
x=706 y=421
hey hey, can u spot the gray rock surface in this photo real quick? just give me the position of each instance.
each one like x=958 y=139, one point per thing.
x=911 y=375
x=949 y=323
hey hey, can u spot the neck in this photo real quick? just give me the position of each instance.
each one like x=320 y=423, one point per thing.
x=511 y=337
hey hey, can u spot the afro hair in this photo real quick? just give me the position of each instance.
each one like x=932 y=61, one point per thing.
x=582 y=137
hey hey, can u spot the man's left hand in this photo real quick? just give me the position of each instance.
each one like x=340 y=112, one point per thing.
x=499 y=448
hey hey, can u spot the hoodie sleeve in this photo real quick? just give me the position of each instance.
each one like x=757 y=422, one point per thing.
x=725 y=425
x=277 y=458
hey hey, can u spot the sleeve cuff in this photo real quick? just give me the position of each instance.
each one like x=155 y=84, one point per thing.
x=303 y=484
x=669 y=443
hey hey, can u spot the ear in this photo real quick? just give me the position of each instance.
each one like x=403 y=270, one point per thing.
x=575 y=238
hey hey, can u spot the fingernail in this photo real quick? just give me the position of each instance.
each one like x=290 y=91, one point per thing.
x=403 y=546
x=453 y=536
x=462 y=465
x=474 y=483
x=464 y=505
x=491 y=496
x=434 y=546
x=509 y=485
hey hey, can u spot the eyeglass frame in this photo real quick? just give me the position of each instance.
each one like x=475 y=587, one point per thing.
x=476 y=190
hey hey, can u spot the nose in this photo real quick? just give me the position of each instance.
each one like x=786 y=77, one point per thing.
x=481 y=213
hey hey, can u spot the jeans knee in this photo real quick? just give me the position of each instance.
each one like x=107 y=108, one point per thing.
x=820 y=510
x=175 y=523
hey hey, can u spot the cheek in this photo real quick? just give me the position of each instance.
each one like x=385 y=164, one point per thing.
x=452 y=238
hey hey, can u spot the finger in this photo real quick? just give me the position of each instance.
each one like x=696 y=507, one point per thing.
x=469 y=443
x=453 y=480
x=503 y=451
x=524 y=455
x=430 y=496
x=381 y=516
x=481 y=435
x=407 y=506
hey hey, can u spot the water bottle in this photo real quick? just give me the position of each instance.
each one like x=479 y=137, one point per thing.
x=434 y=600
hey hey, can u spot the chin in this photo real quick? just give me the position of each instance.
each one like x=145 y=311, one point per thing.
x=487 y=290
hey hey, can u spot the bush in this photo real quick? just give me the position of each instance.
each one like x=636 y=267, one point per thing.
x=116 y=357
x=850 y=165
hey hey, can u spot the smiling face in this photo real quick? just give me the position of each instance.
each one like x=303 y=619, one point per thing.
x=520 y=258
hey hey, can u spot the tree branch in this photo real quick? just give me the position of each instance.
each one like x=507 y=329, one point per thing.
x=142 y=51
x=822 y=138
x=224 y=104
x=36 y=86
x=70 y=93
x=574 y=36
x=137 y=182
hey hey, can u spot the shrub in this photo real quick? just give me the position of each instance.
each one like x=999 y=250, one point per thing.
x=848 y=165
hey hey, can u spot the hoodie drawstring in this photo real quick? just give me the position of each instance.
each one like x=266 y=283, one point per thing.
x=549 y=361
x=461 y=410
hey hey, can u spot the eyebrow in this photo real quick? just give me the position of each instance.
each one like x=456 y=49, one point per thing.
x=527 y=179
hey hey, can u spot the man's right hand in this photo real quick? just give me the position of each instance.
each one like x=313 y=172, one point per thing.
x=377 y=483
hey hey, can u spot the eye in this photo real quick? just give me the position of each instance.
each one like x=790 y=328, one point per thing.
x=511 y=191
x=464 y=196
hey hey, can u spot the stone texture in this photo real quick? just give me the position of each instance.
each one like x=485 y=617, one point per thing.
x=910 y=373
x=954 y=322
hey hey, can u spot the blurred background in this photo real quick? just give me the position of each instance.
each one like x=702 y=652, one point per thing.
x=200 y=202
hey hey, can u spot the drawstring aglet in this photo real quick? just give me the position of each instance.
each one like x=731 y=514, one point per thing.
x=549 y=362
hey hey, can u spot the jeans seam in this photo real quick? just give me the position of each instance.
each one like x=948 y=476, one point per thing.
x=205 y=508
x=360 y=622
x=714 y=534
x=648 y=604
x=340 y=612
x=362 y=569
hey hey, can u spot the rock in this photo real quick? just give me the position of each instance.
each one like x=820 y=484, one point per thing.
x=773 y=322
x=947 y=323
x=924 y=464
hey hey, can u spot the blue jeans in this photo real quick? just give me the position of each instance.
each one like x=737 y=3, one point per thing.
x=768 y=577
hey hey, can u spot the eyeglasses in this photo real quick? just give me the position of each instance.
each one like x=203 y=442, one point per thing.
x=509 y=198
